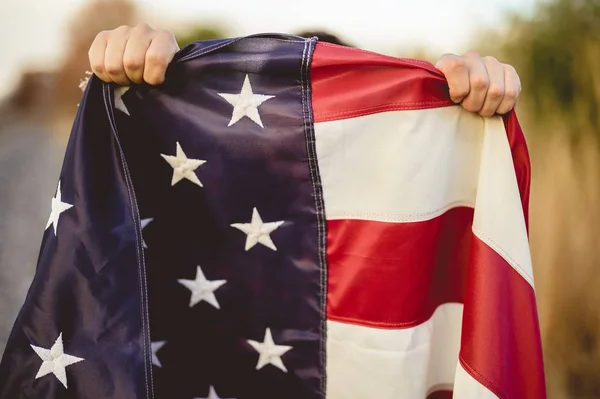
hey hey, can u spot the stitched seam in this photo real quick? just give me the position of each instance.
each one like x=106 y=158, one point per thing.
x=319 y=204
x=398 y=217
x=380 y=324
x=216 y=46
x=511 y=261
x=139 y=253
x=405 y=104
x=408 y=106
x=205 y=50
x=481 y=379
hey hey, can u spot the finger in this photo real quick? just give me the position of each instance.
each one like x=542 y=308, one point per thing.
x=478 y=83
x=495 y=91
x=160 y=53
x=456 y=72
x=96 y=55
x=134 y=56
x=113 y=58
x=512 y=90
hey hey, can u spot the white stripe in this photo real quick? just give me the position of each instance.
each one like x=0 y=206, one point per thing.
x=499 y=221
x=399 y=166
x=408 y=166
x=369 y=363
x=467 y=387
x=405 y=166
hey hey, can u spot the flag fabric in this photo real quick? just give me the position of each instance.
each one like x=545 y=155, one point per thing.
x=283 y=218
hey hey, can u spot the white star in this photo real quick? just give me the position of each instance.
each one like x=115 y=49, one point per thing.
x=212 y=394
x=257 y=231
x=245 y=103
x=144 y=223
x=58 y=207
x=202 y=289
x=118 y=94
x=183 y=167
x=155 y=348
x=55 y=361
x=269 y=353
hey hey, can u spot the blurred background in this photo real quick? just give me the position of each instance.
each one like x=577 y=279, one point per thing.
x=554 y=45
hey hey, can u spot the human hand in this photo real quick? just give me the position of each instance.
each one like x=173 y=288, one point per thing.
x=128 y=54
x=480 y=84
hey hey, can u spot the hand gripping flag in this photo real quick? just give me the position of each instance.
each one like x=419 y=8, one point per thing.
x=283 y=218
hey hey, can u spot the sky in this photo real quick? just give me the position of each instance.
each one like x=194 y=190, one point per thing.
x=32 y=32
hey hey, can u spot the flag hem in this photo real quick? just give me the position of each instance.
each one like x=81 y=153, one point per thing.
x=107 y=93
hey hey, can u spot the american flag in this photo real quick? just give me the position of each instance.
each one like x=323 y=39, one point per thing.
x=283 y=218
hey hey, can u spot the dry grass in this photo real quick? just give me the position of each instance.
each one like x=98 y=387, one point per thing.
x=566 y=249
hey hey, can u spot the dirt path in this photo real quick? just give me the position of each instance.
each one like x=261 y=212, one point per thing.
x=30 y=161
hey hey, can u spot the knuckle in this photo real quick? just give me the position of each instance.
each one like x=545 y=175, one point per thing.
x=157 y=58
x=511 y=94
x=479 y=82
x=113 y=68
x=97 y=67
x=495 y=92
x=457 y=93
x=133 y=63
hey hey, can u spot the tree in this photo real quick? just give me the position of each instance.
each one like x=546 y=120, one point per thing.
x=557 y=54
x=96 y=16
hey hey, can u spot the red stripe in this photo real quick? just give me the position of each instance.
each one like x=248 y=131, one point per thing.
x=392 y=275
x=501 y=343
x=520 y=155
x=349 y=82
x=501 y=346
